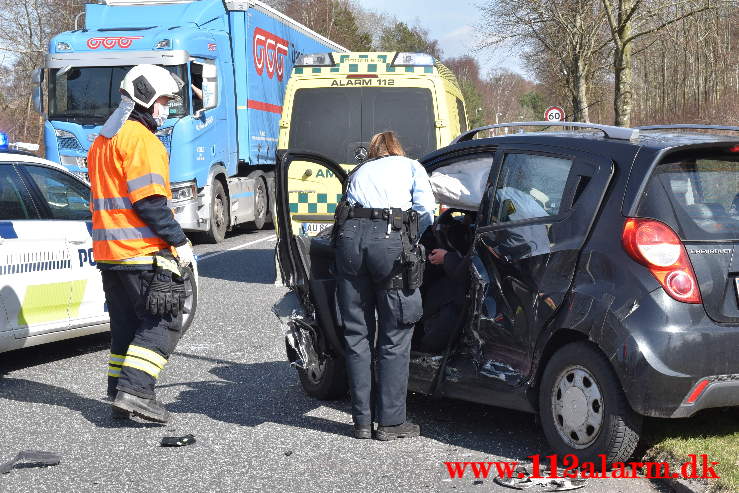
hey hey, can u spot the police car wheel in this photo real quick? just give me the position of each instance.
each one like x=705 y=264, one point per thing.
x=219 y=217
x=327 y=381
x=261 y=206
x=191 y=303
x=583 y=409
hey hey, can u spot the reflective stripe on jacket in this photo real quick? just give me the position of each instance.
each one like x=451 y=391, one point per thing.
x=129 y=167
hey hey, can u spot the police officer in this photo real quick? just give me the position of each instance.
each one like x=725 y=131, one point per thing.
x=388 y=200
x=136 y=239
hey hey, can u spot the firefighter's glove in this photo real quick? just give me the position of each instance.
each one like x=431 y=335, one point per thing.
x=185 y=255
x=167 y=294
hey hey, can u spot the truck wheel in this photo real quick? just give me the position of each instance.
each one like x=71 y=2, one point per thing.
x=219 y=214
x=327 y=381
x=583 y=409
x=261 y=206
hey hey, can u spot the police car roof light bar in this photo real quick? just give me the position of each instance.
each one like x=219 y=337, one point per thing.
x=620 y=133
x=4 y=142
x=689 y=126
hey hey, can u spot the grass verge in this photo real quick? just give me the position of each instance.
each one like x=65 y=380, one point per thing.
x=714 y=432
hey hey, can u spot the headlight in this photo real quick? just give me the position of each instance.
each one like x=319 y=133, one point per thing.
x=186 y=191
x=64 y=134
x=79 y=161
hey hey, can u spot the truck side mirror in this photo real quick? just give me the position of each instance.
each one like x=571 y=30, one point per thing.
x=37 y=78
x=210 y=86
x=38 y=100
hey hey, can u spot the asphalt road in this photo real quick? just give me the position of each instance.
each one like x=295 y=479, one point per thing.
x=229 y=385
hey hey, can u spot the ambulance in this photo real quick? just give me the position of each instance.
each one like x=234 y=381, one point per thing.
x=334 y=104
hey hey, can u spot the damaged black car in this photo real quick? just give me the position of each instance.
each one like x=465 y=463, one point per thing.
x=592 y=277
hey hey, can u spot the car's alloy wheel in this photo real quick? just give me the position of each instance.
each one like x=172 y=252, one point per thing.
x=577 y=407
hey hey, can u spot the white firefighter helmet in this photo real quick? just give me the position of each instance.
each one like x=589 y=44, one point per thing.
x=144 y=84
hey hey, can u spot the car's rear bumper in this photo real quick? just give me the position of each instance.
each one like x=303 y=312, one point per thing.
x=667 y=350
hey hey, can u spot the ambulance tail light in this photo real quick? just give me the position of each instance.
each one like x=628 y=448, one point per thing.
x=403 y=59
x=315 y=60
x=4 y=143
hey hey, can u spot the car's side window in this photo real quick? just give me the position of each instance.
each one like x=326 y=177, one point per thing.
x=530 y=186
x=14 y=200
x=67 y=198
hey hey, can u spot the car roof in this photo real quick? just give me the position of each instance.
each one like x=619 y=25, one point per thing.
x=24 y=158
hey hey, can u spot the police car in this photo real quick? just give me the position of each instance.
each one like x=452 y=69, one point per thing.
x=50 y=288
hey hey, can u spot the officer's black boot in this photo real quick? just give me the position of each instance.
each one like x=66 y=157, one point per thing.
x=149 y=409
x=404 y=430
x=362 y=431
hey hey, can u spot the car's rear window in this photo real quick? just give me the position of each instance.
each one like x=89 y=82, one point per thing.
x=697 y=194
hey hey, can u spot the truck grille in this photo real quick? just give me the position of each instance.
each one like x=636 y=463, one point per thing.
x=70 y=144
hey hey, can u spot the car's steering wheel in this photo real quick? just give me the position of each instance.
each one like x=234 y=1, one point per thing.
x=442 y=226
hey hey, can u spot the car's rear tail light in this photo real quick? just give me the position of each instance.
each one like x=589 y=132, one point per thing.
x=656 y=245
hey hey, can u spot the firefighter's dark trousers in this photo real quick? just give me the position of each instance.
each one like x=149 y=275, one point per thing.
x=365 y=259
x=141 y=342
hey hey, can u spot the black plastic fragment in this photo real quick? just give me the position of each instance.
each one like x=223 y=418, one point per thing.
x=31 y=458
x=178 y=441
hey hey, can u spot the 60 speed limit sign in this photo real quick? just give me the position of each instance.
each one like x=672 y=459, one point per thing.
x=554 y=114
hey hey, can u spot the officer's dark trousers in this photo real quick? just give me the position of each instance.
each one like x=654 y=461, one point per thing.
x=141 y=342
x=365 y=260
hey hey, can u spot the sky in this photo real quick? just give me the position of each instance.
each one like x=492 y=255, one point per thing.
x=452 y=22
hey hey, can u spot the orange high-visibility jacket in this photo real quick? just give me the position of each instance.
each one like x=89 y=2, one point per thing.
x=129 y=167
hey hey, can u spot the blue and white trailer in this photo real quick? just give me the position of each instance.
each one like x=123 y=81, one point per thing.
x=235 y=57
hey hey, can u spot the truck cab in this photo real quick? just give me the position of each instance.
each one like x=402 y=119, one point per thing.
x=233 y=57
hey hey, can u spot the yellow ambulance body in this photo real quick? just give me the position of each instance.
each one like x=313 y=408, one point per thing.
x=334 y=104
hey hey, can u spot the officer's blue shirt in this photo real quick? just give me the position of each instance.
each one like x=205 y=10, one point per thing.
x=394 y=182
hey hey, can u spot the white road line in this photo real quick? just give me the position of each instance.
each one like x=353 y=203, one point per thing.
x=215 y=254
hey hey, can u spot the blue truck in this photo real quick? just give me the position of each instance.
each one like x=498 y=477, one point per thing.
x=235 y=57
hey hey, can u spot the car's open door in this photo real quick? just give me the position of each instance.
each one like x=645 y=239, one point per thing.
x=308 y=188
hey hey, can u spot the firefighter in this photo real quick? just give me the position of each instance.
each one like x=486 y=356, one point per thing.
x=379 y=267
x=137 y=244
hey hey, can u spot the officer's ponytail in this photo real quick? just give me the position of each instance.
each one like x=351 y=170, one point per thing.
x=385 y=144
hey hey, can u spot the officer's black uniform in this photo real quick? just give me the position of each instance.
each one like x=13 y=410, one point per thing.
x=378 y=270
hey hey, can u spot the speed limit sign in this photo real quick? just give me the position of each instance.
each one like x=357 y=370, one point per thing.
x=554 y=114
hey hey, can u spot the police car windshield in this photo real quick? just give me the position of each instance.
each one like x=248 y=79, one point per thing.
x=336 y=122
x=88 y=95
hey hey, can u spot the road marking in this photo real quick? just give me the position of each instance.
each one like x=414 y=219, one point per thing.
x=238 y=247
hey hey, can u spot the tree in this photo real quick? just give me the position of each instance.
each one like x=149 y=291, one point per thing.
x=568 y=33
x=333 y=19
x=467 y=71
x=401 y=37
x=630 y=21
x=534 y=103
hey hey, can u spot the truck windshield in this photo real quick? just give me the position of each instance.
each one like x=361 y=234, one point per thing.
x=88 y=95
x=336 y=121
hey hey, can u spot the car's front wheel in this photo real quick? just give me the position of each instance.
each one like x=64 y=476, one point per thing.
x=326 y=380
x=583 y=408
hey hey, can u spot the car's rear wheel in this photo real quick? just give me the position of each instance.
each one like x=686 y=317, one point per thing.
x=191 y=301
x=583 y=408
x=326 y=380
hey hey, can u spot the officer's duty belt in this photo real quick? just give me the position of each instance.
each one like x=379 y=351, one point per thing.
x=369 y=213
